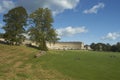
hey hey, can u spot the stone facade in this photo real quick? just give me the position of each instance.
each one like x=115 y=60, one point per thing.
x=59 y=45
x=62 y=45
x=66 y=46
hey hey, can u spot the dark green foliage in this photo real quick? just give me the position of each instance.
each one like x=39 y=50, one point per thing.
x=116 y=48
x=41 y=31
x=105 y=47
x=1 y=35
x=97 y=47
x=15 y=20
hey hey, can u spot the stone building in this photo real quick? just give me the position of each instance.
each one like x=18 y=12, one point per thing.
x=66 y=46
x=59 y=45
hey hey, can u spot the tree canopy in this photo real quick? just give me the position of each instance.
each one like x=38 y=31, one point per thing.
x=15 y=20
x=105 y=47
x=41 y=30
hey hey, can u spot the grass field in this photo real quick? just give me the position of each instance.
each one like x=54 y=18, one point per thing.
x=18 y=63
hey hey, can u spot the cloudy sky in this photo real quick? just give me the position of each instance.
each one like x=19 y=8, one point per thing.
x=76 y=20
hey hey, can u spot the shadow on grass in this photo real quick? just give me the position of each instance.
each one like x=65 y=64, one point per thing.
x=3 y=42
x=28 y=45
x=32 y=46
x=7 y=43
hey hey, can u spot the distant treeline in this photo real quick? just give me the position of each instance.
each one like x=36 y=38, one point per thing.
x=105 y=47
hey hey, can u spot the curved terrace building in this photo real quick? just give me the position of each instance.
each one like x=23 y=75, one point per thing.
x=66 y=45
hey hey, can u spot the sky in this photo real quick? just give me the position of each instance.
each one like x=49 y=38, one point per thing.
x=86 y=21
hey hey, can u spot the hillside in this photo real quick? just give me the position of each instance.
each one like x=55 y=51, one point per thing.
x=18 y=63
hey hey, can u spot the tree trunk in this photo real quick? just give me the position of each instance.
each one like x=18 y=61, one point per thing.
x=43 y=45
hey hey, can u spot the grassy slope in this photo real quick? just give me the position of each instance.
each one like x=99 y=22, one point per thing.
x=17 y=63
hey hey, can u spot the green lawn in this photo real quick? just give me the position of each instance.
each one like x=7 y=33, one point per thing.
x=84 y=65
x=18 y=63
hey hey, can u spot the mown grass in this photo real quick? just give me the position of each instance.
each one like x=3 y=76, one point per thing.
x=84 y=65
x=18 y=63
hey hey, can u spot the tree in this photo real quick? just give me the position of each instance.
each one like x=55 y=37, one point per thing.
x=100 y=47
x=15 y=20
x=1 y=35
x=92 y=46
x=118 y=46
x=41 y=30
x=108 y=47
x=114 y=48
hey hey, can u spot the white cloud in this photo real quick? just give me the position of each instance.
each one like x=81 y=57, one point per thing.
x=112 y=36
x=57 y=6
x=70 y=31
x=6 y=5
x=94 y=9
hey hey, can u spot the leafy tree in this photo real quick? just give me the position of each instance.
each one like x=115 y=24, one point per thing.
x=108 y=47
x=41 y=30
x=96 y=47
x=114 y=48
x=100 y=47
x=118 y=46
x=1 y=35
x=15 y=20
x=92 y=46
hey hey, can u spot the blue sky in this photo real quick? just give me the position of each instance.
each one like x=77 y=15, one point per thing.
x=77 y=20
